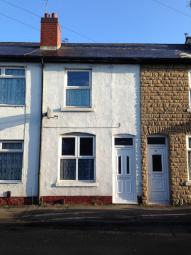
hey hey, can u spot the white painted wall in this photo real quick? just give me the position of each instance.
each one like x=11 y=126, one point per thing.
x=115 y=99
x=23 y=123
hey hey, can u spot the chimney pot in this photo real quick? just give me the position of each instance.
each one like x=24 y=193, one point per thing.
x=54 y=15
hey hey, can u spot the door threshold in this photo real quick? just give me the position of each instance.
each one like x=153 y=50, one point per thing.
x=159 y=203
x=125 y=203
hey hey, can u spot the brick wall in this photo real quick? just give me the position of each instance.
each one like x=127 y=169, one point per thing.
x=164 y=104
x=86 y=200
x=50 y=32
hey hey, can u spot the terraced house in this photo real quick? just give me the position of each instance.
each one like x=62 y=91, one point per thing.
x=166 y=129
x=94 y=123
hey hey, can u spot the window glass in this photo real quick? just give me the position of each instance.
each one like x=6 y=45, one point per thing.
x=77 y=91
x=86 y=146
x=189 y=142
x=10 y=165
x=119 y=164
x=78 y=78
x=11 y=146
x=77 y=165
x=189 y=164
x=127 y=165
x=157 y=162
x=10 y=160
x=68 y=146
x=68 y=169
x=12 y=71
x=156 y=140
x=0 y=71
x=12 y=91
x=85 y=169
x=123 y=141
x=78 y=97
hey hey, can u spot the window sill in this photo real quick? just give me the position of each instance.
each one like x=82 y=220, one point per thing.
x=11 y=105
x=76 y=184
x=188 y=183
x=9 y=182
x=77 y=109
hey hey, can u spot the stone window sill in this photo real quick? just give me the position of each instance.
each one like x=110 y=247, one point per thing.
x=12 y=105
x=9 y=182
x=77 y=109
x=76 y=184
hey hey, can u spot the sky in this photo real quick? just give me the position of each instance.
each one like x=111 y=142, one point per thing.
x=101 y=21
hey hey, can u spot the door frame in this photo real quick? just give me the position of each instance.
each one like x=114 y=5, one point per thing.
x=165 y=147
x=115 y=147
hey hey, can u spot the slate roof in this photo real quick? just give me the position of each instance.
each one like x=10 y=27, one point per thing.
x=95 y=52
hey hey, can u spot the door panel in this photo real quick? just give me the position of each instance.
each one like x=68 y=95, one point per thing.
x=124 y=176
x=158 y=174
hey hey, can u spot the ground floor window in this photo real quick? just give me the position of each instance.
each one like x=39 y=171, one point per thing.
x=77 y=158
x=189 y=157
x=11 y=157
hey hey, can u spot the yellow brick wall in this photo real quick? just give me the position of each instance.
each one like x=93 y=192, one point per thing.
x=164 y=104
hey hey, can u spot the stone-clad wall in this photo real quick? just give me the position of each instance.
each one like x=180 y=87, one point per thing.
x=164 y=104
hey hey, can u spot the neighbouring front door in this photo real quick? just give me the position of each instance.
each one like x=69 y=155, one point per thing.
x=124 y=176
x=158 y=174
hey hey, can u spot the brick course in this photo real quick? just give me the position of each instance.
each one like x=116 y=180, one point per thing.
x=164 y=104
x=96 y=200
x=18 y=201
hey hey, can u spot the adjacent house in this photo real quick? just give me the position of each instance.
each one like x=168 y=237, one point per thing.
x=94 y=123
x=20 y=93
x=166 y=130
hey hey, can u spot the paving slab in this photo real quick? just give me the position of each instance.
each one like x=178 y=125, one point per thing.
x=116 y=214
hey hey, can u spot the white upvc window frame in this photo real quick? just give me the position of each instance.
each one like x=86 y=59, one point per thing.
x=187 y=150
x=7 y=76
x=66 y=87
x=12 y=151
x=76 y=157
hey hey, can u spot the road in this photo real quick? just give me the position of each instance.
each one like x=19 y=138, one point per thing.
x=95 y=230
x=95 y=238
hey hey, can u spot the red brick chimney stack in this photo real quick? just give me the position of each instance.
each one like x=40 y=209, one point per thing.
x=50 y=32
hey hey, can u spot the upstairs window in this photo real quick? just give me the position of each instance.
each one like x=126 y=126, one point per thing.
x=77 y=158
x=12 y=86
x=78 y=88
x=11 y=157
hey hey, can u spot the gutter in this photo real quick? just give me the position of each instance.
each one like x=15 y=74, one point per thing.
x=41 y=130
x=96 y=60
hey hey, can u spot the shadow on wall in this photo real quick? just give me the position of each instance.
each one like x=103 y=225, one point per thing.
x=31 y=140
x=138 y=136
x=13 y=121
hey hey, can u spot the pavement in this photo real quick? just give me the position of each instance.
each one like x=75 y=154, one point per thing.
x=119 y=215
